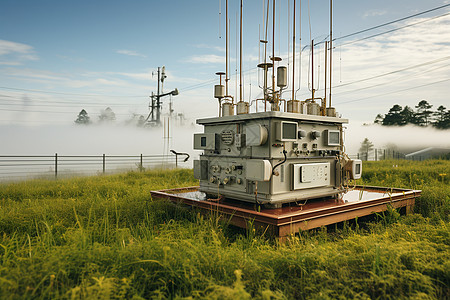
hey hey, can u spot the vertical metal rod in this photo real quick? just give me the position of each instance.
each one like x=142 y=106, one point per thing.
x=226 y=51
x=331 y=47
x=104 y=163
x=293 y=57
x=56 y=165
x=176 y=160
x=142 y=166
x=312 y=70
x=273 y=51
x=240 y=58
x=158 y=107
x=324 y=102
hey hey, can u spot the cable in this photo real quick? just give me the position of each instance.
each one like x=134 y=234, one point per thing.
x=68 y=94
x=280 y=163
x=392 y=30
x=394 y=72
x=392 y=22
x=386 y=74
x=393 y=92
x=205 y=83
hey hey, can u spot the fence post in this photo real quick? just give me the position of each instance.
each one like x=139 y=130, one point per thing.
x=56 y=165
x=376 y=154
x=142 y=166
x=176 y=161
x=104 y=162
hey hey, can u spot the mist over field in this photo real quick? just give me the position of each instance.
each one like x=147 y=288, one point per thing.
x=93 y=140
x=128 y=140
x=405 y=138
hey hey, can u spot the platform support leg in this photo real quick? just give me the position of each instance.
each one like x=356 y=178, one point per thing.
x=409 y=209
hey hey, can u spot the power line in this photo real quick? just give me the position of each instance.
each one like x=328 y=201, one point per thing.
x=65 y=103
x=205 y=83
x=67 y=94
x=387 y=74
x=392 y=22
x=393 y=92
x=395 y=71
x=392 y=30
x=406 y=77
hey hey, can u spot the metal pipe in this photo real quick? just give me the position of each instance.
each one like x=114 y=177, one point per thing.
x=312 y=70
x=226 y=50
x=324 y=102
x=293 y=56
x=157 y=101
x=273 y=51
x=240 y=58
x=56 y=165
x=331 y=46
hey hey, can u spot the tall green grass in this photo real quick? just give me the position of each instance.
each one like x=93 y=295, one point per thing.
x=105 y=238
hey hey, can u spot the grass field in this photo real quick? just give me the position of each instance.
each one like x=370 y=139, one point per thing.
x=105 y=238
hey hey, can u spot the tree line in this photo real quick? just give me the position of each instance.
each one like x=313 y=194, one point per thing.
x=423 y=115
x=107 y=116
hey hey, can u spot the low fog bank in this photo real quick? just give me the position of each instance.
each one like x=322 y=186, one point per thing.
x=129 y=140
x=94 y=140
x=407 y=139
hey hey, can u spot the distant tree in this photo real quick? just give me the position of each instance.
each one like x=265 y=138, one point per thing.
x=141 y=121
x=83 y=118
x=379 y=119
x=107 y=115
x=366 y=146
x=442 y=118
x=393 y=117
x=423 y=113
x=407 y=116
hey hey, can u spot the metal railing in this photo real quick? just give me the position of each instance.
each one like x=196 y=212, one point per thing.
x=379 y=154
x=14 y=167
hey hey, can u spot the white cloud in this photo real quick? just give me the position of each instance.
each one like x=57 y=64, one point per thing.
x=205 y=46
x=13 y=54
x=130 y=53
x=425 y=44
x=374 y=13
x=206 y=59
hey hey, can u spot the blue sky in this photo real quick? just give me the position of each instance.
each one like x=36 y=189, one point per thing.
x=58 y=57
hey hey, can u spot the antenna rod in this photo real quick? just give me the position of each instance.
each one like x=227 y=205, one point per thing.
x=312 y=70
x=324 y=101
x=273 y=51
x=326 y=78
x=158 y=120
x=293 y=56
x=240 y=60
x=226 y=49
x=331 y=45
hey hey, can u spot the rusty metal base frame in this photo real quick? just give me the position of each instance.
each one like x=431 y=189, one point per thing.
x=282 y=222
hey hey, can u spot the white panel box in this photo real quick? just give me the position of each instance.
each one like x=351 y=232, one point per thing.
x=353 y=169
x=258 y=170
x=332 y=137
x=311 y=175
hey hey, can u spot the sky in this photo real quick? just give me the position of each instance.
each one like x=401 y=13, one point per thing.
x=59 y=57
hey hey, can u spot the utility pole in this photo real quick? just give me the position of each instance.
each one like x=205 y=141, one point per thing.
x=155 y=113
x=158 y=102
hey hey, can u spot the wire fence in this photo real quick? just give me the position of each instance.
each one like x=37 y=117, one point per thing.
x=16 y=167
x=379 y=154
